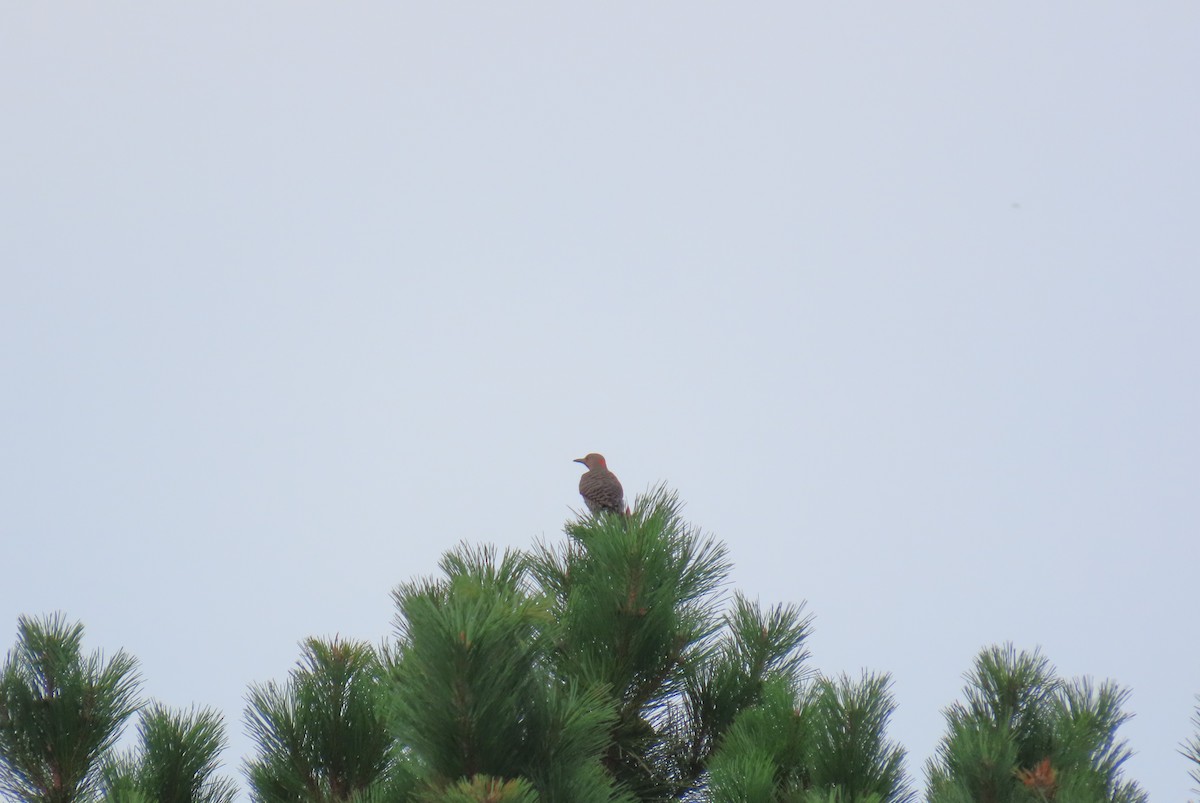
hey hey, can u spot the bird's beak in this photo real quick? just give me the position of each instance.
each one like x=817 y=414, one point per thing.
x=579 y=460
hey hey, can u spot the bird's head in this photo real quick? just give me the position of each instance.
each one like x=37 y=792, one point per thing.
x=593 y=460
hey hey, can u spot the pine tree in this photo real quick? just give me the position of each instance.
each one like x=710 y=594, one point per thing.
x=612 y=667
x=322 y=737
x=60 y=712
x=850 y=753
x=175 y=762
x=636 y=610
x=1023 y=734
x=826 y=742
x=472 y=699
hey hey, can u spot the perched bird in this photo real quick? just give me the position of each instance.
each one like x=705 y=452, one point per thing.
x=599 y=487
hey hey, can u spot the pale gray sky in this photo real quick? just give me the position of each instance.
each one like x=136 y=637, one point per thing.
x=900 y=297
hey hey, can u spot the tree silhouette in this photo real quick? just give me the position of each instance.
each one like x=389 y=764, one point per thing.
x=1191 y=749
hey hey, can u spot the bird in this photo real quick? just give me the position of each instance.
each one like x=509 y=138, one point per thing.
x=599 y=487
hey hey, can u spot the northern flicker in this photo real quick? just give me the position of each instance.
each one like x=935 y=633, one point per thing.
x=599 y=487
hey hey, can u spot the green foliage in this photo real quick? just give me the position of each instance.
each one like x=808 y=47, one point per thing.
x=826 y=742
x=636 y=611
x=753 y=649
x=632 y=597
x=482 y=789
x=1023 y=734
x=599 y=669
x=322 y=737
x=60 y=712
x=176 y=761
x=471 y=694
x=463 y=668
x=764 y=756
x=610 y=668
x=849 y=751
x=835 y=795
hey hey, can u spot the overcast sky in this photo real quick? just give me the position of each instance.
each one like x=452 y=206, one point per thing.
x=900 y=297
